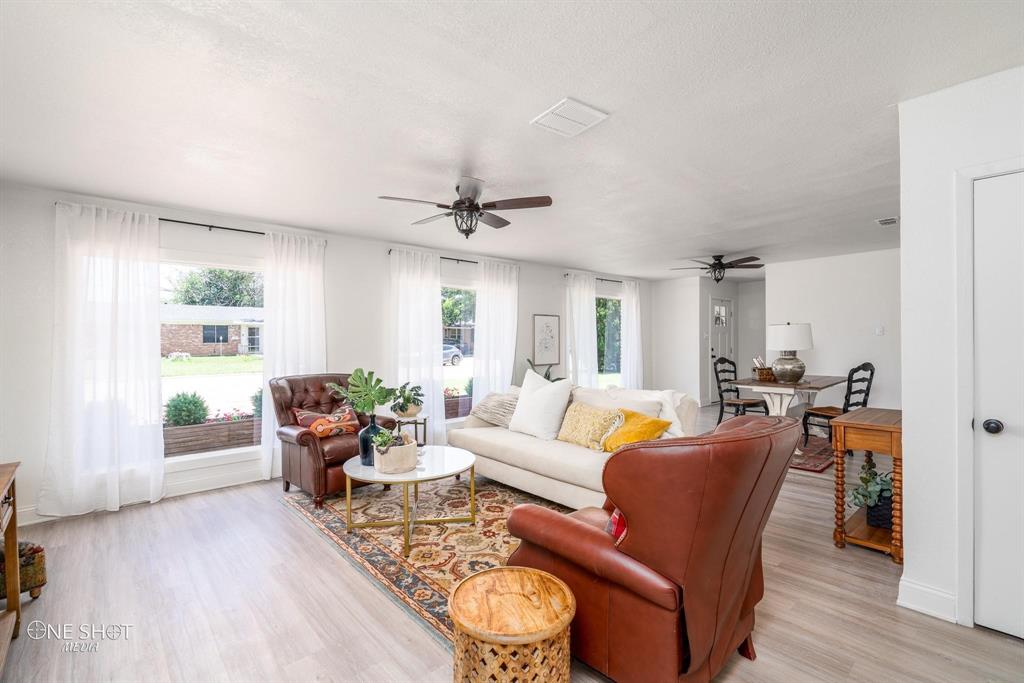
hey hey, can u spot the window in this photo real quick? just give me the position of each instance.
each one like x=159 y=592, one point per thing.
x=215 y=334
x=609 y=342
x=458 y=315
x=211 y=370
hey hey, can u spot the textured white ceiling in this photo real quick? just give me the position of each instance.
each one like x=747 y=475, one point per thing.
x=766 y=128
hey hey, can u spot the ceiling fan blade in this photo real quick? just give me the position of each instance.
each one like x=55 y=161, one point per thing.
x=703 y=263
x=470 y=188
x=753 y=265
x=433 y=218
x=739 y=261
x=415 y=201
x=492 y=220
x=518 y=203
x=689 y=268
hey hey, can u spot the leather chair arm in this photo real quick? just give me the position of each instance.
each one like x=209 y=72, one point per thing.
x=299 y=436
x=592 y=549
x=382 y=422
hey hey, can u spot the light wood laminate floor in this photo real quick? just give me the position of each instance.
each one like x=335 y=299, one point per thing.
x=230 y=585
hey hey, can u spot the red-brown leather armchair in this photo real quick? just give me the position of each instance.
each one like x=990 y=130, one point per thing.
x=673 y=598
x=311 y=463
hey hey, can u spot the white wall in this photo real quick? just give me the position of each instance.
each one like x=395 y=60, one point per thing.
x=750 y=321
x=946 y=138
x=847 y=299
x=676 y=335
x=356 y=319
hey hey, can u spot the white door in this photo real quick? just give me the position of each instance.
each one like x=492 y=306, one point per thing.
x=999 y=403
x=720 y=341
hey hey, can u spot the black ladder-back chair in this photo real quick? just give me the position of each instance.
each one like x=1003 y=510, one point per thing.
x=858 y=389
x=725 y=371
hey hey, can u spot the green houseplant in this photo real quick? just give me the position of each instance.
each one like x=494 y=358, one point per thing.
x=874 y=493
x=408 y=400
x=394 y=452
x=365 y=392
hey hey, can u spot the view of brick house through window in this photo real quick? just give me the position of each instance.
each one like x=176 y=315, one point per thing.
x=458 y=327
x=211 y=328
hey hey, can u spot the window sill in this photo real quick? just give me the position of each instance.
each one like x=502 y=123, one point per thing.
x=227 y=456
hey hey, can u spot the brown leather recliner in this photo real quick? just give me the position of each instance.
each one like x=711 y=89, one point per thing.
x=311 y=463
x=675 y=595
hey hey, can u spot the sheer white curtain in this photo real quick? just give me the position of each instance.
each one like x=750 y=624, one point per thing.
x=497 y=317
x=295 y=336
x=415 y=336
x=105 y=446
x=581 y=327
x=632 y=337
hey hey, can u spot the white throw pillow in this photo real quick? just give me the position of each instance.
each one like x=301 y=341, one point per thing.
x=606 y=400
x=541 y=407
x=668 y=399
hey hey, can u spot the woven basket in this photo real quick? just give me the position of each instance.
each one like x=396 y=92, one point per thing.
x=764 y=374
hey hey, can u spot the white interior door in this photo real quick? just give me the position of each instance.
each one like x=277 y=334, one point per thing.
x=720 y=342
x=999 y=403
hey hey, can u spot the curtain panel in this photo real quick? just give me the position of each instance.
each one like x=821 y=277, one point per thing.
x=581 y=328
x=295 y=334
x=497 y=320
x=632 y=337
x=105 y=445
x=415 y=331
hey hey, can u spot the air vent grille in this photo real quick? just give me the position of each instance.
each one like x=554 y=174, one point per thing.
x=569 y=118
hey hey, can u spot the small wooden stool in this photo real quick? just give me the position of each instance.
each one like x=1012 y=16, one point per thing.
x=512 y=624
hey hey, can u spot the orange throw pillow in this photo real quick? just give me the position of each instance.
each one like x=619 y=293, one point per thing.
x=636 y=427
x=341 y=421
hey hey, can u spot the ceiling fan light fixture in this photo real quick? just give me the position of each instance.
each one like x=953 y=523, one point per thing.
x=718 y=274
x=466 y=221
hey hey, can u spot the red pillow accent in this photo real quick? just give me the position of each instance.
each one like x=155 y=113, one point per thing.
x=616 y=525
x=342 y=421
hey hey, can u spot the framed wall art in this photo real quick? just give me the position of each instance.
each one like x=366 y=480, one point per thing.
x=547 y=340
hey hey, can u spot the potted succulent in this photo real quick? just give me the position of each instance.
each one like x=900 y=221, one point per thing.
x=408 y=401
x=365 y=392
x=874 y=493
x=394 y=452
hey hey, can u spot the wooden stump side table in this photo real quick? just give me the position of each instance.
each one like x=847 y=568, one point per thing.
x=512 y=624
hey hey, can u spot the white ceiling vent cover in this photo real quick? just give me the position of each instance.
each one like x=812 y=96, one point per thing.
x=569 y=118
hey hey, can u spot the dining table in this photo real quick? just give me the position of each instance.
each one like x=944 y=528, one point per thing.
x=780 y=396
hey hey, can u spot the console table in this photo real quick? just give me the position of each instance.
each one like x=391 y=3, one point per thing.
x=10 y=618
x=879 y=430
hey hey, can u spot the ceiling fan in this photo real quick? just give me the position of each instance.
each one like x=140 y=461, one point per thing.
x=717 y=267
x=468 y=211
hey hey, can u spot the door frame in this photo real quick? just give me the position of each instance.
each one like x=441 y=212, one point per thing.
x=963 y=314
x=709 y=373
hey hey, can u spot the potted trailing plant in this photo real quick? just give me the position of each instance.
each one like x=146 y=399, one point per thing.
x=394 y=453
x=547 y=371
x=408 y=401
x=365 y=392
x=874 y=493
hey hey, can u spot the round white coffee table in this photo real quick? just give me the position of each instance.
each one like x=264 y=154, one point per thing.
x=433 y=462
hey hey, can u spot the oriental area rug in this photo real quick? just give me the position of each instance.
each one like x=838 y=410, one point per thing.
x=441 y=554
x=817 y=455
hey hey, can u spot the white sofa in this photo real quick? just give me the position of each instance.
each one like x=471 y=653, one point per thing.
x=555 y=470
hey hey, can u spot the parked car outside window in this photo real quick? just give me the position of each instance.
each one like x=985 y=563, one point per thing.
x=451 y=355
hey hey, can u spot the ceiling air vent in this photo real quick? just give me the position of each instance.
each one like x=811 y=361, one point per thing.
x=569 y=118
x=886 y=222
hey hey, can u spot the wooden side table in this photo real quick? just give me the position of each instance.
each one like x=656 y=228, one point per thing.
x=879 y=430
x=512 y=624
x=10 y=619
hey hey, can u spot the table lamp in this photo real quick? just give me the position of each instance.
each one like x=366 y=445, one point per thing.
x=787 y=340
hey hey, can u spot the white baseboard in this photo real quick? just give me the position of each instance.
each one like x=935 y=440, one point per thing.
x=28 y=516
x=927 y=600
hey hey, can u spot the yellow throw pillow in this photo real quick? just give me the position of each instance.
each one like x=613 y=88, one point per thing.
x=588 y=426
x=636 y=427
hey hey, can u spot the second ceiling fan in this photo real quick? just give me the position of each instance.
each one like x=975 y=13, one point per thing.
x=468 y=211
x=717 y=267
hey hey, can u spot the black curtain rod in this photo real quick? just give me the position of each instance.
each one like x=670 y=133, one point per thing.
x=448 y=258
x=212 y=227
x=599 y=279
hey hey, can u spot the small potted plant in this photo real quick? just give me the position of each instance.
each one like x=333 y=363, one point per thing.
x=394 y=452
x=408 y=401
x=365 y=392
x=874 y=493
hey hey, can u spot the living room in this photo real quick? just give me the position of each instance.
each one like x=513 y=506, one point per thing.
x=743 y=270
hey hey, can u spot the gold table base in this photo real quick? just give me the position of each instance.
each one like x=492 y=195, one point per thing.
x=407 y=522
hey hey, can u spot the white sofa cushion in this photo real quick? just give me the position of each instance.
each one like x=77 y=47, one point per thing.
x=604 y=399
x=554 y=459
x=540 y=407
x=674 y=406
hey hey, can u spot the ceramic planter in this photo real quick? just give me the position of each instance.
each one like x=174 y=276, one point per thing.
x=396 y=459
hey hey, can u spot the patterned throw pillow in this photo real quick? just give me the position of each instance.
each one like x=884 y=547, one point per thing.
x=496 y=408
x=616 y=525
x=588 y=426
x=637 y=427
x=341 y=421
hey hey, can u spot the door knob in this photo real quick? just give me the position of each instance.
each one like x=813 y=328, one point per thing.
x=992 y=426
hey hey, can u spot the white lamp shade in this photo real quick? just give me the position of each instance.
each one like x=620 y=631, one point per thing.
x=790 y=337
